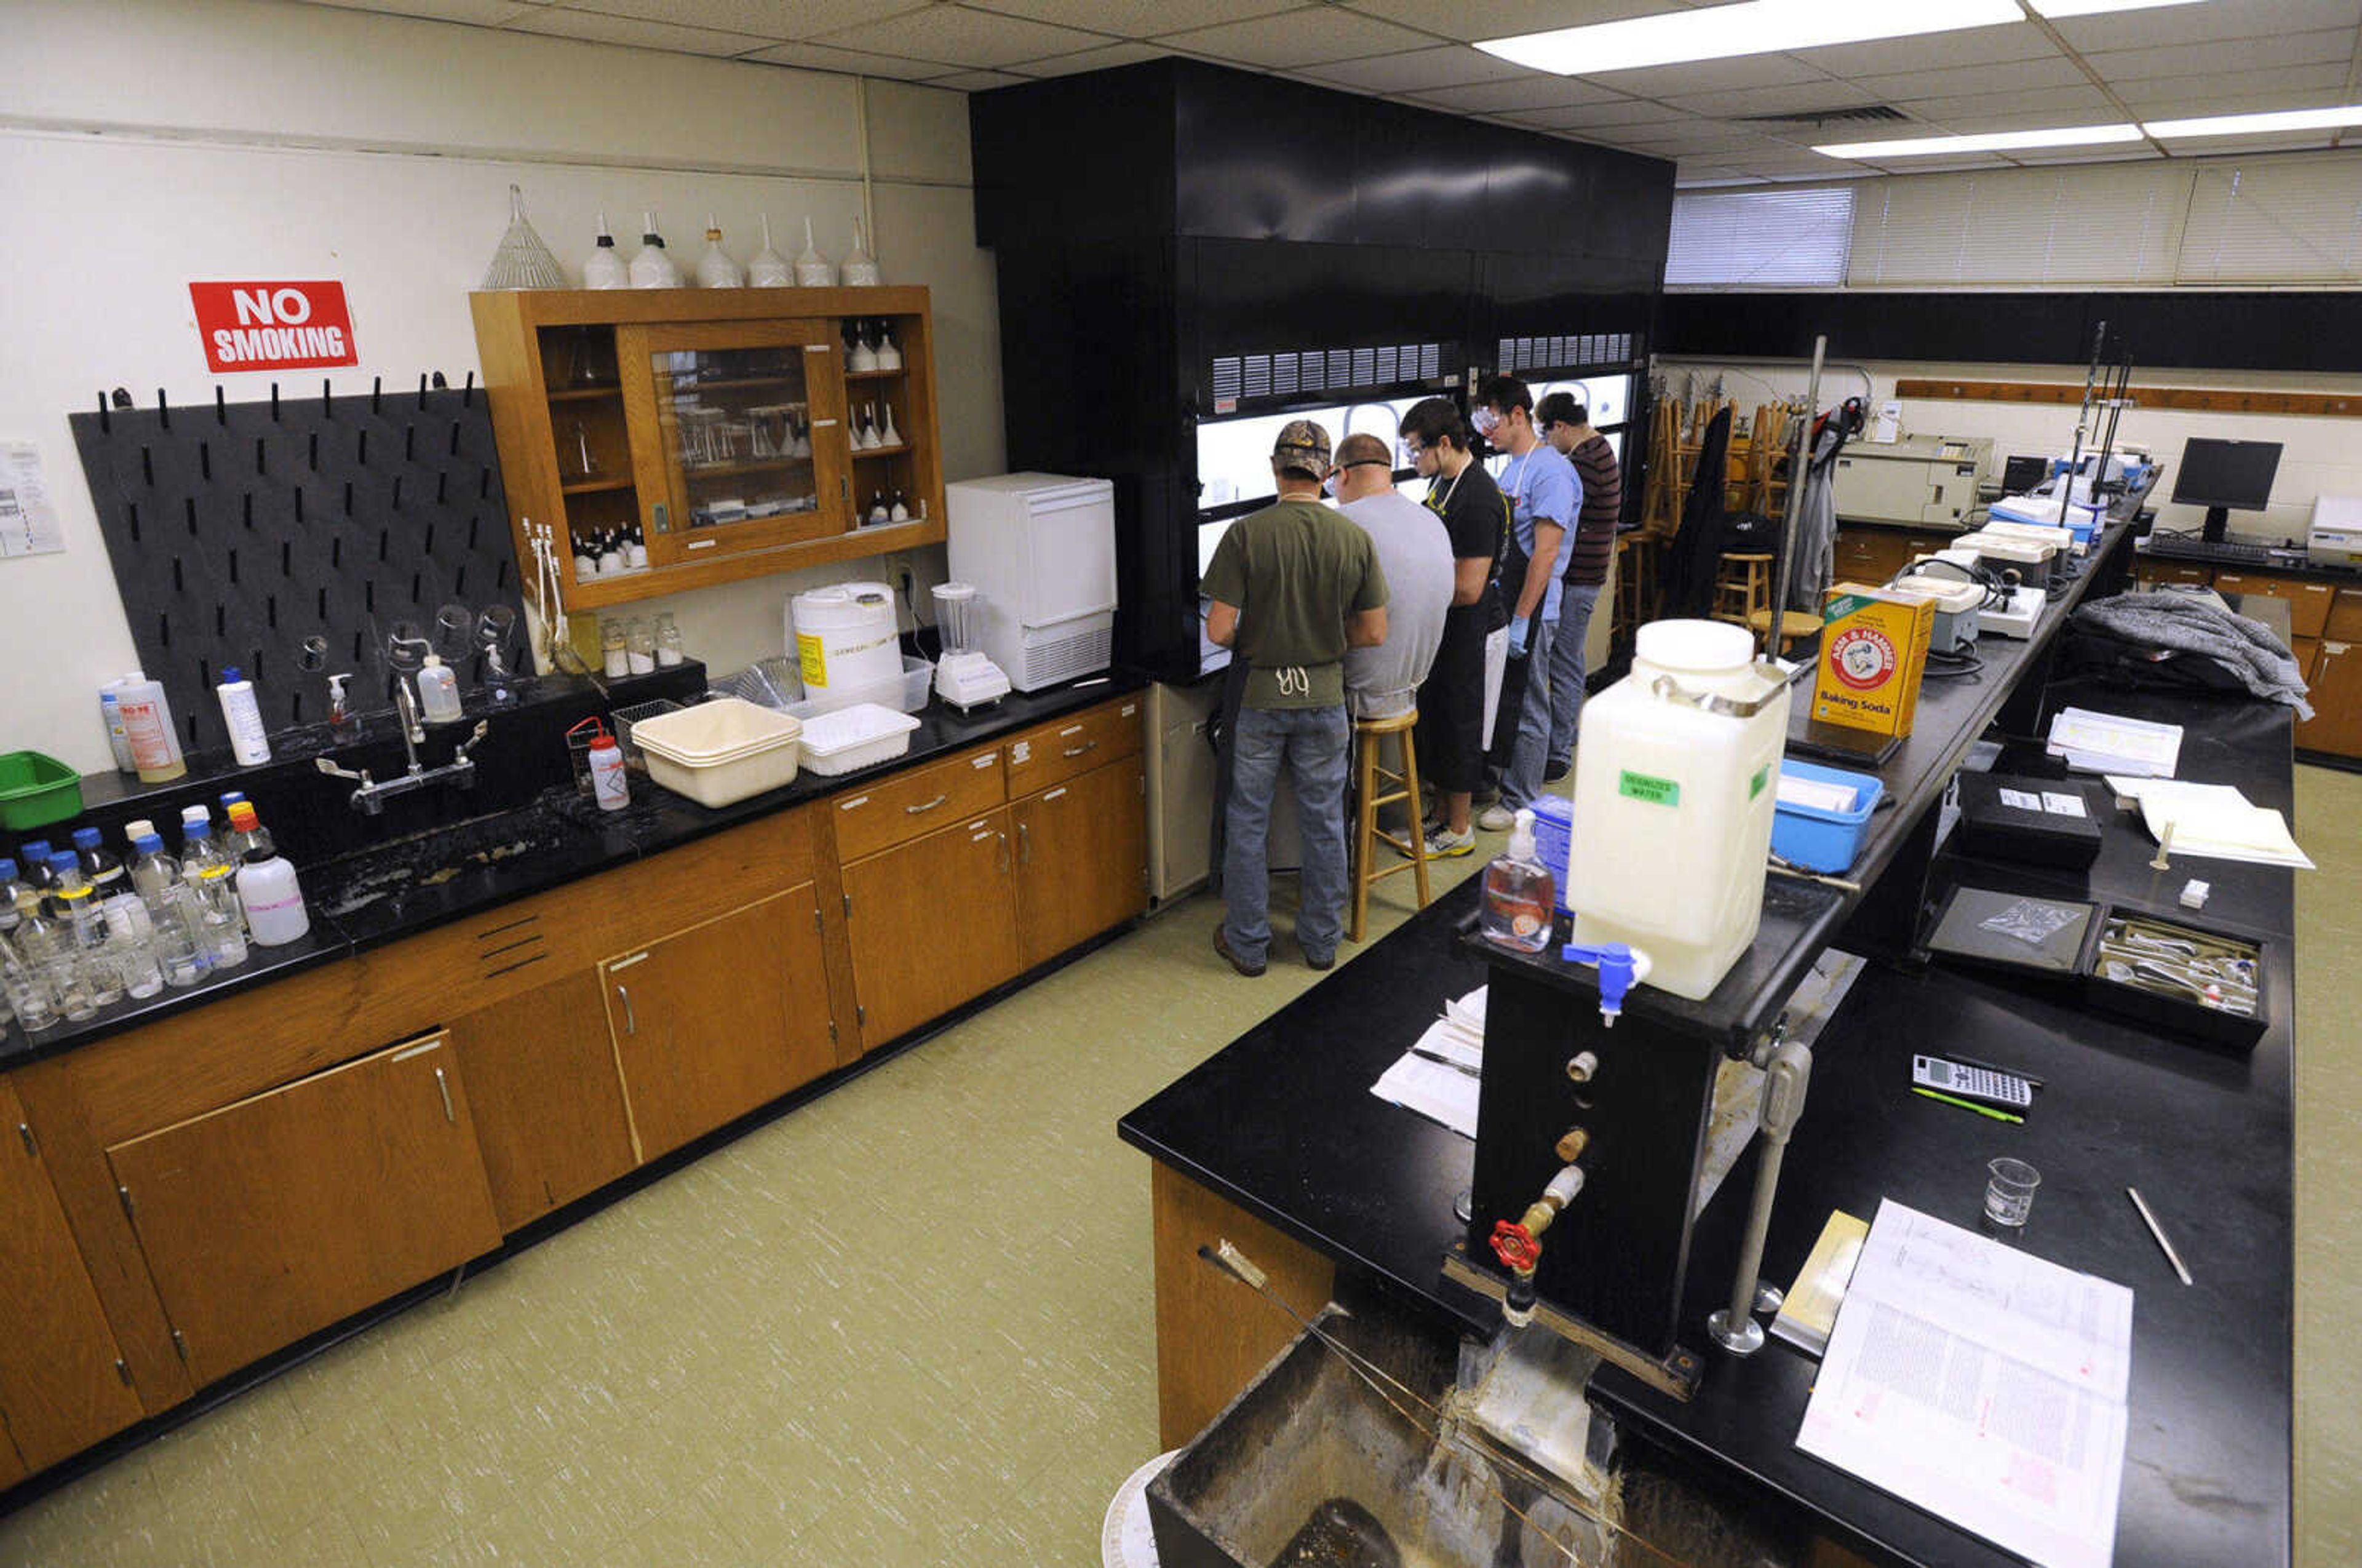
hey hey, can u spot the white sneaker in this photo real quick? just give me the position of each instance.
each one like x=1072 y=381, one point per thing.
x=1497 y=819
x=1443 y=843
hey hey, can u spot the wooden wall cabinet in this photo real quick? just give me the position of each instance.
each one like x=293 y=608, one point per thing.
x=717 y=1019
x=277 y=1215
x=63 y=1383
x=720 y=422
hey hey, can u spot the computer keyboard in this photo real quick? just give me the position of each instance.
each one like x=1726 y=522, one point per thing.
x=2181 y=547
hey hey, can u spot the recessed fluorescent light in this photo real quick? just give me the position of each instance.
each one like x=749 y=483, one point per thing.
x=1765 y=27
x=2253 y=125
x=1997 y=141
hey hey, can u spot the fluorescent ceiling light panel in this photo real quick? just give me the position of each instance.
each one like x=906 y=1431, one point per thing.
x=1997 y=141
x=1766 y=27
x=2255 y=125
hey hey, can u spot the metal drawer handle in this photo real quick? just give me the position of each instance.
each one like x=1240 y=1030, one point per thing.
x=631 y=1019
x=1078 y=750
x=928 y=806
x=1054 y=794
x=1025 y=843
x=1004 y=849
x=445 y=1085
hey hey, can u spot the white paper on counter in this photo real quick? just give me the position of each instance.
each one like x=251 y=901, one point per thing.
x=1982 y=1384
x=1438 y=1092
x=2213 y=821
x=2108 y=743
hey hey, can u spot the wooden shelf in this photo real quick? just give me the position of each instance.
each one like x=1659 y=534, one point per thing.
x=871 y=375
x=739 y=384
x=584 y=394
x=592 y=487
x=861 y=452
x=756 y=466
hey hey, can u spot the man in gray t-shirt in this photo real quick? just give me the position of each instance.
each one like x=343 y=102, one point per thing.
x=1416 y=555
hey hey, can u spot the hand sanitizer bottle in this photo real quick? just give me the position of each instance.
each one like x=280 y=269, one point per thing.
x=1519 y=893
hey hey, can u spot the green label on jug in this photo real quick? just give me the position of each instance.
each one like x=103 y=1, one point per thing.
x=1755 y=785
x=1656 y=791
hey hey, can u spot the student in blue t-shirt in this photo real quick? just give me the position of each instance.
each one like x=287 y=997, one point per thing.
x=1544 y=497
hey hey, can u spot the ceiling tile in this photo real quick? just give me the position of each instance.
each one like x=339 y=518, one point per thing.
x=483 y=13
x=2131 y=152
x=1928 y=165
x=2217 y=21
x=1711 y=76
x=634 y=33
x=966 y=38
x=1508 y=19
x=1309 y=37
x=2064 y=106
x=2119 y=66
x=1419 y=69
x=1934 y=51
x=1528 y=90
x=1802 y=97
x=1135 y=18
x=976 y=81
x=2305 y=87
x=1105 y=58
x=765 y=18
x=850 y=62
x=2015 y=77
x=1602 y=116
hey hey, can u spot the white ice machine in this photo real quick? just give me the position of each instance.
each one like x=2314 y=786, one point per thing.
x=1040 y=548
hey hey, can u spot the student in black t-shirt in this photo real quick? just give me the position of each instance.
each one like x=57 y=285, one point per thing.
x=1451 y=703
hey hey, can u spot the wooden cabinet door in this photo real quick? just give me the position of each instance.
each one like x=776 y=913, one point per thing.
x=932 y=924
x=548 y=1097
x=1082 y=859
x=713 y=1022
x=276 y=1216
x=62 y=1384
x=12 y=1463
x=2336 y=699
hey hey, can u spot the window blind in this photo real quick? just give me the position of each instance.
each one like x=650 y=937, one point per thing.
x=2087 y=224
x=1760 y=238
x=2286 y=220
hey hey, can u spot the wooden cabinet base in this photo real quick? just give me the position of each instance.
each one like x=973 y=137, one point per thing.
x=548 y=1097
x=1213 y=1334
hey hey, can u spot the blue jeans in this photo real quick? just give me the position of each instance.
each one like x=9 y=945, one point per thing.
x=1314 y=744
x=1566 y=672
x=1522 y=779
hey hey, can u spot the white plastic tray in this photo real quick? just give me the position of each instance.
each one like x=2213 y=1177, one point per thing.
x=720 y=752
x=854 y=738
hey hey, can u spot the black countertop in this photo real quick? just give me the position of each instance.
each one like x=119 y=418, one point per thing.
x=555 y=839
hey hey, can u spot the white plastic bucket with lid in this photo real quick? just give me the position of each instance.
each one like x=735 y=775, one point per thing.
x=1673 y=804
x=845 y=635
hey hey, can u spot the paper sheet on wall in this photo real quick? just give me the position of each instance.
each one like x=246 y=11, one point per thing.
x=29 y=522
x=1982 y=1384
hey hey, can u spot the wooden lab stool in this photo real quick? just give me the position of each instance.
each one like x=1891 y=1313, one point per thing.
x=1636 y=585
x=1370 y=738
x=1796 y=627
x=1742 y=585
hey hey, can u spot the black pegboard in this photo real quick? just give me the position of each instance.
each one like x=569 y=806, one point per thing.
x=236 y=530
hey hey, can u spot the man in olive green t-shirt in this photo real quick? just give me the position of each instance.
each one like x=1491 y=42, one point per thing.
x=1291 y=588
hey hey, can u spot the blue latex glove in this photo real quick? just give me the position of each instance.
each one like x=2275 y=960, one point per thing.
x=1520 y=629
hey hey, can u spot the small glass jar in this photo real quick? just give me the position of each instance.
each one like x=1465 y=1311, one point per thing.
x=640 y=647
x=614 y=655
x=669 y=651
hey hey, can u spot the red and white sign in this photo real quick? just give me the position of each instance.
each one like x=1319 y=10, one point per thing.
x=273 y=327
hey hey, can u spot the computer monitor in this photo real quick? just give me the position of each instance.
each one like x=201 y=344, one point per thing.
x=2020 y=475
x=2223 y=477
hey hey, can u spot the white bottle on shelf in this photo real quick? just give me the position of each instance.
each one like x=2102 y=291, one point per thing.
x=605 y=269
x=715 y=270
x=273 y=898
x=767 y=269
x=813 y=271
x=860 y=269
x=243 y=717
x=653 y=267
x=148 y=718
x=439 y=692
x=890 y=358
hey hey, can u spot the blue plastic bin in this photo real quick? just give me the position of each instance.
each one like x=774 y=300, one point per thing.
x=1824 y=841
x=1553 y=832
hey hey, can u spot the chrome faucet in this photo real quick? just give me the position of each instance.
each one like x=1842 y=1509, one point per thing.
x=369 y=796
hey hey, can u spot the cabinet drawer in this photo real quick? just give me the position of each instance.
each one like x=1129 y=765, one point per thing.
x=1052 y=753
x=895 y=809
x=2345 y=616
x=2310 y=607
x=2155 y=572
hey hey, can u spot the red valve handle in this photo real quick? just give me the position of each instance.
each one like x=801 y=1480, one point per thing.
x=1515 y=1246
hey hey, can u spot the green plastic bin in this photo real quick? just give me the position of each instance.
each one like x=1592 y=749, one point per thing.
x=36 y=790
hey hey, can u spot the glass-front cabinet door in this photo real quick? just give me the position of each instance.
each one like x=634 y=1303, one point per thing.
x=746 y=423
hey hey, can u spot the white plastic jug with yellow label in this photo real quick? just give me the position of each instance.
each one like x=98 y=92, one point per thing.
x=1675 y=786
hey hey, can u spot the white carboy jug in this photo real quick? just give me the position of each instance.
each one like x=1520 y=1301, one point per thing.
x=1676 y=778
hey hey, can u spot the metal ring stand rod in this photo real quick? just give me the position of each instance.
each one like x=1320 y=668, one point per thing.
x=1783 y=569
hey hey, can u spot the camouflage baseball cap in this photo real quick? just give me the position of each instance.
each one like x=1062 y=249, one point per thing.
x=1302 y=439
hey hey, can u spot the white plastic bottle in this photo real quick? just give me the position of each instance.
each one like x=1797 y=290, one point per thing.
x=273 y=898
x=605 y=268
x=653 y=267
x=439 y=692
x=770 y=269
x=243 y=716
x=608 y=784
x=715 y=270
x=119 y=737
x=1673 y=803
x=148 y=718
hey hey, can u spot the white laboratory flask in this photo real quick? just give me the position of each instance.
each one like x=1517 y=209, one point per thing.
x=1675 y=782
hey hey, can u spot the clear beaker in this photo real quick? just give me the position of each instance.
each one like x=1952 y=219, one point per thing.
x=2009 y=1191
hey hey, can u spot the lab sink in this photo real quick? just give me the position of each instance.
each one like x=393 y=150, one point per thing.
x=387 y=873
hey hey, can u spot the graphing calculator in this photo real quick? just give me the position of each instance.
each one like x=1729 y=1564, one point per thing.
x=1971 y=1082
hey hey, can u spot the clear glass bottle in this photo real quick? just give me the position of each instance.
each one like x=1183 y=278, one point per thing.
x=1520 y=894
x=172 y=911
x=101 y=867
x=615 y=658
x=81 y=964
x=210 y=875
x=640 y=648
x=246 y=832
x=669 y=651
x=131 y=939
x=25 y=986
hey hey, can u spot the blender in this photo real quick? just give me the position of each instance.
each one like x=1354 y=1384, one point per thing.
x=965 y=677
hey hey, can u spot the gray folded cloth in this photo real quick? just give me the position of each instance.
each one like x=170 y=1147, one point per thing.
x=2191 y=624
